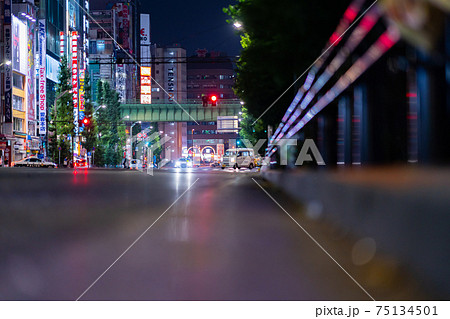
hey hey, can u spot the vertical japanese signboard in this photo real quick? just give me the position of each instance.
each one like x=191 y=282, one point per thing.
x=61 y=45
x=121 y=82
x=81 y=91
x=146 y=85
x=146 y=80
x=42 y=79
x=8 y=57
x=75 y=79
x=123 y=20
x=145 y=38
x=31 y=80
x=170 y=79
x=220 y=149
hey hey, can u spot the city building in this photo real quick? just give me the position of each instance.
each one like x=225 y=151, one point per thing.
x=210 y=142
x=67 y=34
x=112 y=50
x=169 y=74
x=102 y=48
x=211 y=74
x=35 y=36
x=18 y=112
x=169 y=87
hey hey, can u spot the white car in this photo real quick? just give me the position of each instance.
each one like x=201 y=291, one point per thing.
x=239 y=157
x=183 y=163
x=34 y=162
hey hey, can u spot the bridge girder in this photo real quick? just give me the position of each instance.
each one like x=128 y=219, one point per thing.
x=175 y=113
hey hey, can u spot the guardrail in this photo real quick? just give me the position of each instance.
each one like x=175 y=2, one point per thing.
x=311 y=98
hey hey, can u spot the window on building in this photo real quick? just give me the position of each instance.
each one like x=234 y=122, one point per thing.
x=109 y=48
x=93 y=47
x=208 y=132
x=18 y=81
x=18 y=125
x=100 y=46
x=18 y=103
x=51 y=38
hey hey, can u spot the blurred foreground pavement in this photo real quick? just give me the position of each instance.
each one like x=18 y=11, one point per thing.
x=404 y=212
x=224 y=239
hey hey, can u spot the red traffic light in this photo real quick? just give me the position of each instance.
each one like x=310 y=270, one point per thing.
x=213 y=100
x=85 y=121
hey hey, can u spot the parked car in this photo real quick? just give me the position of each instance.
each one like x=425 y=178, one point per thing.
x=34 y=162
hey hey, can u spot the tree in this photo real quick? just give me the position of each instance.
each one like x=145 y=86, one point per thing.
x=136 y=128
x=61 y=127
x=280 y=41
x=110 y=125
x=90 y=133
x=250 y=131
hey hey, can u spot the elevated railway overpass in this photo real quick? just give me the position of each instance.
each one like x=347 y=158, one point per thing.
x=186 y=111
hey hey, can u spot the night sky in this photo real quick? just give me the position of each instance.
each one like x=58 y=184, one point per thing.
x=192 y=24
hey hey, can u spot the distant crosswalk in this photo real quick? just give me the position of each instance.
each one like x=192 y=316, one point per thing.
x=209 y=169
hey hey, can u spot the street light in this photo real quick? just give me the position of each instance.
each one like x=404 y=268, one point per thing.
x=103 y=106
x=5 y=63
x=237 y=25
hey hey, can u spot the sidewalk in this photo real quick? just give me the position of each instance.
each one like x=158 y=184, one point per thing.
x=405 y=210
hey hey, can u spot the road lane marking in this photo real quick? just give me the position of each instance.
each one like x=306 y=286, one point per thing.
x=137 y=239
x=315 y=241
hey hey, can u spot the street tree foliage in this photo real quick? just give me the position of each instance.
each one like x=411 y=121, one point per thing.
x=280 y=40
x=61 y=127
x=136 y=128
x=111 y=129
x=90 y=132
x=156 y=144
x=249 y=129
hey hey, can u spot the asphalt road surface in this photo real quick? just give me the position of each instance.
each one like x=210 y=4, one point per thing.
x=202 y=234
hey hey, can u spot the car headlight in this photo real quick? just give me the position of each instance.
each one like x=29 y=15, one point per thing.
x=177 y=164
x=189 y=164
